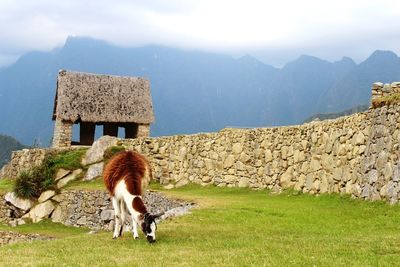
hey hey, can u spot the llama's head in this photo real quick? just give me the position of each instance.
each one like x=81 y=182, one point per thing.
x=149 y=226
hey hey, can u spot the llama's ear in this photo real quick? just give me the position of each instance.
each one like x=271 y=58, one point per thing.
x=155 y=216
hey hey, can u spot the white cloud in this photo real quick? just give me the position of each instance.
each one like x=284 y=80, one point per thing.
x=223 y=25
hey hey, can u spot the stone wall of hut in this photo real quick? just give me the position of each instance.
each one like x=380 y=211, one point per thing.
x=62 y=136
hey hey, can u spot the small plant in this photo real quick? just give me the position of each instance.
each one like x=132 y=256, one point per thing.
x=386 y=100
x=30 y=184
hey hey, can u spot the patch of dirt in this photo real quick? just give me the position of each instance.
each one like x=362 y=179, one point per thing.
x=8 y=237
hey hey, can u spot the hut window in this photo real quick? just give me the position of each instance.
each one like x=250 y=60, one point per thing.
x=110 y=128
x=131 y=130
x=84 y=132
x=87 y=131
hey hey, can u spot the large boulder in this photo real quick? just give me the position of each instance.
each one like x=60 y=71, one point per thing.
x=58 y=215
x=94 y=171
x=96 y=152
x=40 y=211
x=23 y=204
x=46 y=195
x=61 y=173
x=107 y=215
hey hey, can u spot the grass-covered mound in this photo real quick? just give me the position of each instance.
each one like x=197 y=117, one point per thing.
x=31 y=183
x=234 y=227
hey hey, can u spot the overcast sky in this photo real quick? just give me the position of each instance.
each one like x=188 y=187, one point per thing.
x=274 y=31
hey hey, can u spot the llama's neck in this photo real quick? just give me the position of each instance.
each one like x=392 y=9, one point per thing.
x=138 y=205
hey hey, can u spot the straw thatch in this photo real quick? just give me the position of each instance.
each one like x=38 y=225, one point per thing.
x=102 y=98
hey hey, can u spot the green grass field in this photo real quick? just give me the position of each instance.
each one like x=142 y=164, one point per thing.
x=232 y=227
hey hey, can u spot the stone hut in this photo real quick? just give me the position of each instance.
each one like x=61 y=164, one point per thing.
x=93 y=99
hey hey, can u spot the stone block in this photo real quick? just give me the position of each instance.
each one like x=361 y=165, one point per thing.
x=268 y=156
x=94 y=171
x=61 y=173
x=315 y=164
x=237 y=148
x=244 y=182
x=41 y=211
x=359 y=138
x=181 y=183
x=57 y=216
x=96 y=152
x=64 y=181
x=23 y=204
x=229 y=161
x=107 y=215
x=46 y=195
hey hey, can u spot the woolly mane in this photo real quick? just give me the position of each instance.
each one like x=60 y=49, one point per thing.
x=131 y=167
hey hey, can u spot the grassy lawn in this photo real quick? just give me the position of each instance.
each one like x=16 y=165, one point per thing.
x=233 y=227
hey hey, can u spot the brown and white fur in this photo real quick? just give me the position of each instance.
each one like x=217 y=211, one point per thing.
x=126 y=177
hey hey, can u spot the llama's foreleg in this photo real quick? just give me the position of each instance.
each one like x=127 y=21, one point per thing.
x=135 y=228
x=134 y=215
x=117 y=222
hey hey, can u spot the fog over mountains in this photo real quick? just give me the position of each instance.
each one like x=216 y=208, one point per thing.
x=192 y=91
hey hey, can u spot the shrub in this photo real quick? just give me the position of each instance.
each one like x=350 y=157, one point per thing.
x=30 y=184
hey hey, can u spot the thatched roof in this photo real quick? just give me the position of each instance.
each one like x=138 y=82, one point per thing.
x=102 y=98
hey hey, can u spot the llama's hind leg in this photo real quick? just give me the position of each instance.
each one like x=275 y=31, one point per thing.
x=123 y=216
x=118 y=220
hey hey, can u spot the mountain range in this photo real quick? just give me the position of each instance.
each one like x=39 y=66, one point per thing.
x=334 y=115
x=192 y=91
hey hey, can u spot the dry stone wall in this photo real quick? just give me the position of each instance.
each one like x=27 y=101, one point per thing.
x=380 y=89
x=23 y=160
x=26 y=159
x=357 y=155
x=80 y=208
x=93 y=209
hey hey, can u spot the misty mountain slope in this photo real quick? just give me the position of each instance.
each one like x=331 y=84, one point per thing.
x=303 y=81
x=25 y=98
x=192 y=91
x=355 y=88
x=329 y=116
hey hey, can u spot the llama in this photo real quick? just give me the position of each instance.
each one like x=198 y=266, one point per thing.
x=126 y=177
